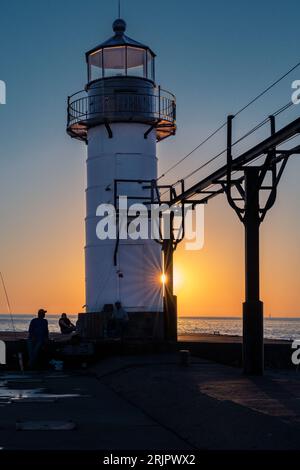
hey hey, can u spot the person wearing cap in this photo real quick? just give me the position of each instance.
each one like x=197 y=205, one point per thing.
x=38 y=337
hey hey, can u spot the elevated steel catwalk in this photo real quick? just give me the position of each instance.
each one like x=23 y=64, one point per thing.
x=247 y=157
x=251 y=214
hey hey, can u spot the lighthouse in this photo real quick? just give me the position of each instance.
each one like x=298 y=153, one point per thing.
x=121 y=115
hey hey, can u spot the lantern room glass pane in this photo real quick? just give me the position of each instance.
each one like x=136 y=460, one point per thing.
x=114 y=61
x=150 y=66
x=136 y=62
x=95 y=65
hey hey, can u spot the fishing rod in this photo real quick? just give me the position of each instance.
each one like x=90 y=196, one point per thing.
x=19 y=354
x=8 y=305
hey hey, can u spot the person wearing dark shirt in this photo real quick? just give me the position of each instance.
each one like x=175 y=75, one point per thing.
x=65 y=324
x=38 y=337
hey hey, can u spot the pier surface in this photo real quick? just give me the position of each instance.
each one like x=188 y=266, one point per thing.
x=151 y=402
x=193 y=337
x=224 y=349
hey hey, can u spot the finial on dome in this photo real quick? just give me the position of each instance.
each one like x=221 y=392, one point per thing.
x=119 y=26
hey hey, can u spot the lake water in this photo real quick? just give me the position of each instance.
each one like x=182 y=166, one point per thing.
x=278 y=328
x=275 y=328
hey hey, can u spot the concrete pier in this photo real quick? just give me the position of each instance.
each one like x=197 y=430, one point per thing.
x=224 y=349
x=152 y=402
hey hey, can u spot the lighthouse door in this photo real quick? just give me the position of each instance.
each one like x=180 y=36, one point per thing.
x=132 y=276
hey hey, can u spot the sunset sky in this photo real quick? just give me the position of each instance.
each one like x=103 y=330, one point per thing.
x=215 y=57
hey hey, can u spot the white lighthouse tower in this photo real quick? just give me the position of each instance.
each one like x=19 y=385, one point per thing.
x=121 y=115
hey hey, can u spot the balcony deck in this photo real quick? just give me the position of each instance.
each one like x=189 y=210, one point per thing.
x=157 y=109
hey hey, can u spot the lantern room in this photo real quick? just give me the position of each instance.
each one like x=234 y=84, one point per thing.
x=121 y=88
x=120 y=56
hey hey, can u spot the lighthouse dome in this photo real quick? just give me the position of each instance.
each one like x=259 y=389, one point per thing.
x=120 y=56
x=119 y=26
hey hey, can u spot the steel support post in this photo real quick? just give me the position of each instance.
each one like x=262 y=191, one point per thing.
x=170 y=305
x=253 y=336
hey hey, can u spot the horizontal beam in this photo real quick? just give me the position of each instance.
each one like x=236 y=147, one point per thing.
x=260 y=149
x=294 y=151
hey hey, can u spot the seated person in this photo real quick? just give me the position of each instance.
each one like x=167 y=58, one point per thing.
x=121 y=319
x=109 y=321
x=65 y=324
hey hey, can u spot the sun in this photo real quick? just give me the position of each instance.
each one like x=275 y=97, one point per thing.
x=177 y=276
